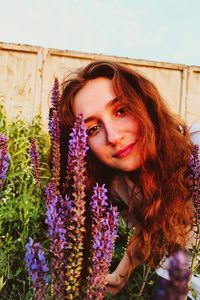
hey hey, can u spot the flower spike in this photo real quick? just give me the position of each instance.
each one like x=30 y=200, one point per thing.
x=37 y=269
x=76 y=231
x=4 y=158
x=104 y=232
x=35 y=161
x=54 y=131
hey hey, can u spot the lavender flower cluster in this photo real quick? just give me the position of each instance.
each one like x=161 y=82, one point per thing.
x=176 y=288
x=194 y=167
x=4 y=158
x=57 y=235
x=104 y=225
x=77 y=149
x=65 y=219
x=37 y=268
x=54 y=131
x=179 y=274
x=77 y=170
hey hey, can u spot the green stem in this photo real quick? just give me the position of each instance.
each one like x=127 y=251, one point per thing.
x=196 y=248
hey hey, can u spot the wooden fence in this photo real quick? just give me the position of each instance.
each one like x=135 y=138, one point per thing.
x=27 y=74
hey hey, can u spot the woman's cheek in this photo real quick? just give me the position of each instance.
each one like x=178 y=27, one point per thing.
x=95 y=145
x=92 y=144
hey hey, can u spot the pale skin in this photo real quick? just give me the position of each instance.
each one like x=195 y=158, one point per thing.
x=114 y=137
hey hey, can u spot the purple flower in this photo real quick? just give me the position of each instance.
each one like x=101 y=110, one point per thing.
x=76 y=157
x=179 y=269
x=37 y=268
x=77 y=148
x=50 y=192
x=54 y=131
x=4 y=158
x=194 y=167
x=76 y=171
x=176 y=288
x=55 y=214
x=55 y=96
x=65 y=211
x=104 y=232
x=35 y=161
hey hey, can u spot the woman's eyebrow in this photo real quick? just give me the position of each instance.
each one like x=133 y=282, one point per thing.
x=108 y=105
x=113 y=101
x=89 y=119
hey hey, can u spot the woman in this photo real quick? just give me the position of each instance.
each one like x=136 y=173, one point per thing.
x=141 y=150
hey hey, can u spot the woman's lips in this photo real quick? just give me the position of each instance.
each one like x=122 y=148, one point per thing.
x=125 y=151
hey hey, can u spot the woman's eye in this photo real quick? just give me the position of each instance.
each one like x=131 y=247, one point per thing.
x=121 y=111
x=93 y=130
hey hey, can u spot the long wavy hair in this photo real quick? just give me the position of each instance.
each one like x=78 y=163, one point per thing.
x=164 y=217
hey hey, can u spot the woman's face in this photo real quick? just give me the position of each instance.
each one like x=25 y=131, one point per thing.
x=113 y=134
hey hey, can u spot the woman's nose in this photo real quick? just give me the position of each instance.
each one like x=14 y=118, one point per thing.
x=114 y=135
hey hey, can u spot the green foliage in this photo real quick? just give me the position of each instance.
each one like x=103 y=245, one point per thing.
x=21 y=205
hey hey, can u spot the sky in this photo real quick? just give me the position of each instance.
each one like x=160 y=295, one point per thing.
x=158 y=30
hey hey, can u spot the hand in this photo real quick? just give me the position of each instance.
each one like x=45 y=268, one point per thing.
x=115 y=282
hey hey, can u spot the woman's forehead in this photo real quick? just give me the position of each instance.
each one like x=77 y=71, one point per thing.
x=96 y=95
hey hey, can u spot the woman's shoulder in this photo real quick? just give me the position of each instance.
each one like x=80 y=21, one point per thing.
x=122 y=188
x=119 y=189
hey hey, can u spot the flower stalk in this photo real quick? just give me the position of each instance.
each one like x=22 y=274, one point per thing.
x=194 y=168
x=35 y=161
x=176 y=288
x=179 y=274
x=4 y=158
x=37 y=269
x=57 y=235
x=54 y=131
x=76 y=231
x=104 y=232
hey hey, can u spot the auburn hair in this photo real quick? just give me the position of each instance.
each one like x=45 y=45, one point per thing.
x=164 y=217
